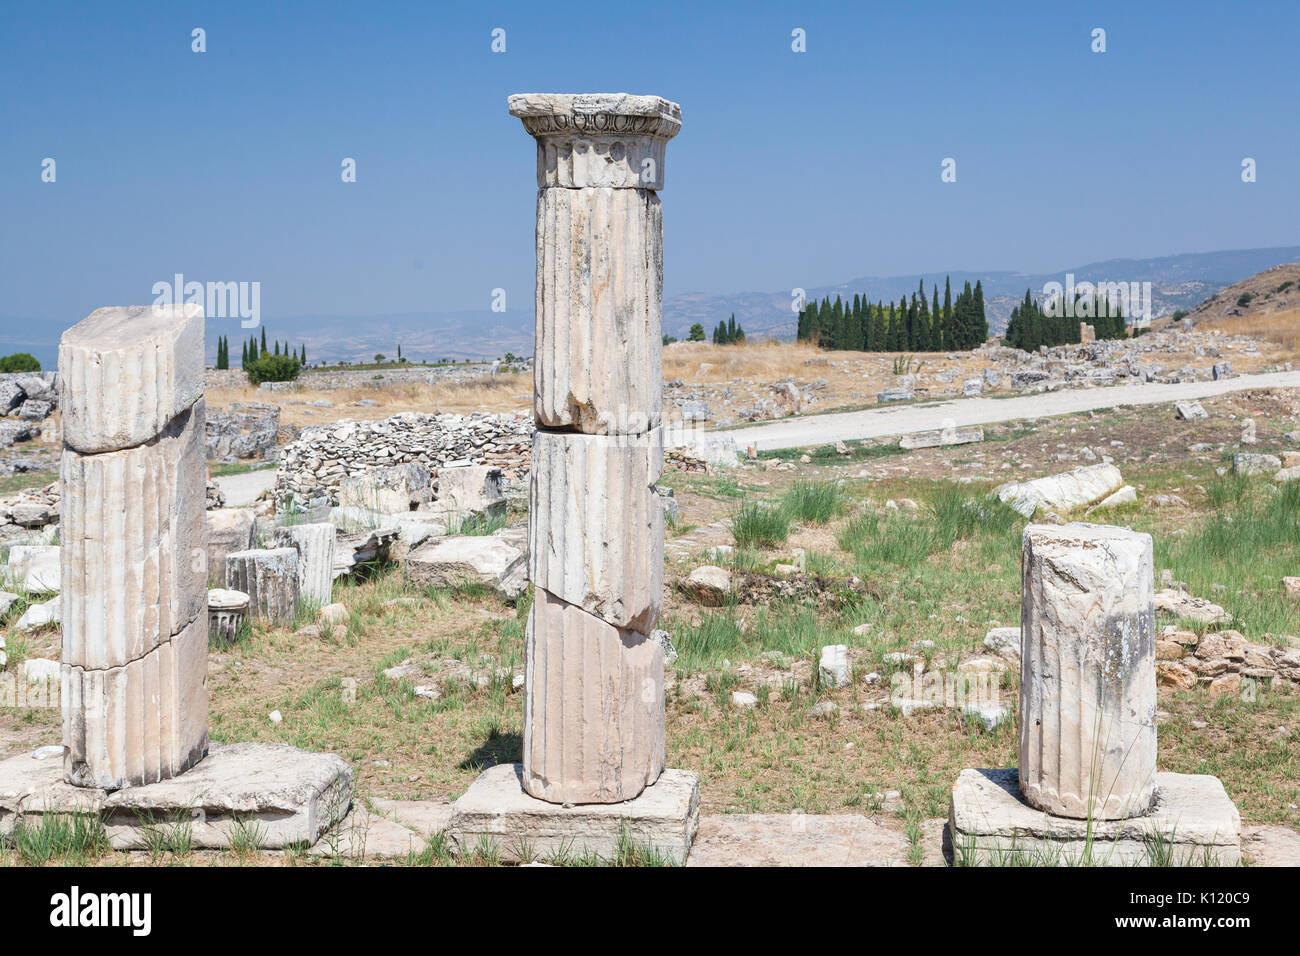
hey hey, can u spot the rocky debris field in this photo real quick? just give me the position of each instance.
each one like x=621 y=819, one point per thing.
x=312 y=467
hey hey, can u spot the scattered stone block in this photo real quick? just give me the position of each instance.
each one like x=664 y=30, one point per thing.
x=314 y=543
x=229 y=530
x=269 y=576
x=471 y=490
x=1063 y=492
x=226 y=612
x=1190 y=411
x=942 y=437
x=708 y=585
x=458 y=561
x=833 y=667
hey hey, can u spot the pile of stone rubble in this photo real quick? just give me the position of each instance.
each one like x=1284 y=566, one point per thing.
x=313 y=467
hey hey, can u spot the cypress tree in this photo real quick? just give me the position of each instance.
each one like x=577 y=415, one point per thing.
x=949 y=333
x=979 y=321
x=936 y=323
x=263 y=352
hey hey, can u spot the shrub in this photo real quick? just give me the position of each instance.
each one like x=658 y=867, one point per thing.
x=760 y=526
x=815 y=502
x=1244 y=299
x=273 y=368
x=19 y=362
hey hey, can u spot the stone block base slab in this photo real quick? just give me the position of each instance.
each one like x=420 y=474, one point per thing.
x=278 y=794
x=496 y=810
x=1192 y=823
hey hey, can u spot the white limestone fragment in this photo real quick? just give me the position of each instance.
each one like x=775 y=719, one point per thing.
x=1088 y=681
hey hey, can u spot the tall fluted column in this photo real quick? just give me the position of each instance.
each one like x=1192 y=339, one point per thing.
x=134 y=559
x=594 y=699
x=1087 y=673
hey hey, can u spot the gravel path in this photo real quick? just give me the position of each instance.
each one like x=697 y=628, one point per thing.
x=242 y=489
x=890 y=420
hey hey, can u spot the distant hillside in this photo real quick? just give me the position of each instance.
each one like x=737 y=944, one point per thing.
x=1263 y=294
x=1177 y=282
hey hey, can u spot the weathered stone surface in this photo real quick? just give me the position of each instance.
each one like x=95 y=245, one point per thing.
x=1004 y=641
x=599 y=350
x=1270 y=846
x=833 y=667
x=229 y=530
x=41 y=615
x=596 y=527
x=37 y=568
x=226 y=611
x=894 y=395
x=593 y=707
x=1190 y=411
x=1088 y=683
x=468 y=490
x=269 y=576
x=244 y=430
x=613 y=140
x=134 y=567
x=284 y=795
x=1182 y=605
x=1125 y=496
x=942 y=437
x=1191 y=823
x=386 y=490
x=1246 y=463
x=315 y=546
x=460 y=560
x=125 y=373
x=709 y=585
x=1063 y=492
x=142 y=722
x=797 y=839
x=663 y=818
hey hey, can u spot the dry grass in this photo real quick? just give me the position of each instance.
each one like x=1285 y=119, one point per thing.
x=493 y=394
x=1280 y=328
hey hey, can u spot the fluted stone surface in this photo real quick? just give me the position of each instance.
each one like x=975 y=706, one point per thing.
x=314 y=543
x=598 y=359
x=134 y=563
x=141 y=723
x=597 y=528
x=134 y=557
x=126 y=372
x=269 y=576
x=594 y=710
x=593 y=707
x=1087 y=680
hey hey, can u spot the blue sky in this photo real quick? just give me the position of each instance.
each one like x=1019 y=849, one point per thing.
x=790 y=170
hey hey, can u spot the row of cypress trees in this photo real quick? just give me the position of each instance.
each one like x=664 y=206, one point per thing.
x=729 y=332
x=254 y=349
x=908 y=326
x=1032 y=325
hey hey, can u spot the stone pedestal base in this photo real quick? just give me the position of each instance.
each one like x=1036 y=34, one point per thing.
x=495 y=811
x=1192 y=823
x=276 y=794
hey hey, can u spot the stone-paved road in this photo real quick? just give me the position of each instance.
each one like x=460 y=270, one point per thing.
x=888 y=420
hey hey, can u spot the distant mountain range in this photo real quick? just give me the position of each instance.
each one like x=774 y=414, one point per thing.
x=1177 y=282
